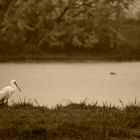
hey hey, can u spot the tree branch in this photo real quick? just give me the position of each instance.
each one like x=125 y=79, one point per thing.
x=64 y=11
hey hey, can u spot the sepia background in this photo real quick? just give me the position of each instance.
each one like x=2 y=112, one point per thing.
x=73 y=69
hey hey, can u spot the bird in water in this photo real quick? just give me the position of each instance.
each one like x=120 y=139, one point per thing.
x=7 y=92
x=113 y=73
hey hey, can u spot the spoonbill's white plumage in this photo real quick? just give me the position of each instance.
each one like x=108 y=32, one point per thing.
x=7 y=92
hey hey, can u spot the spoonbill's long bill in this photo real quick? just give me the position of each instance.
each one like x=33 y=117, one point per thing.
x=7 y=92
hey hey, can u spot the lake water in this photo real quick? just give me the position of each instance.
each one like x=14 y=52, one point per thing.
x=54 y=83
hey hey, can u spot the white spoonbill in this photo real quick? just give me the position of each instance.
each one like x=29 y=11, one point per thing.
x=7 y=92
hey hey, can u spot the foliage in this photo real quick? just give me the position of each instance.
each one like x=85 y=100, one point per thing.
x=63 y=24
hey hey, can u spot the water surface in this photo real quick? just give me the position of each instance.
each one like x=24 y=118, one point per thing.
x=52 y=83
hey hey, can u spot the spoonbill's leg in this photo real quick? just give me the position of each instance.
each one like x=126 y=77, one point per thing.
x=6 y=102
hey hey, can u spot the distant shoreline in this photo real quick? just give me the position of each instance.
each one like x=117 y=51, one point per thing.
x=68 y=58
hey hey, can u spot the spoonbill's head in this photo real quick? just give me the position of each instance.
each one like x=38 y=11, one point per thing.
x=13 y=82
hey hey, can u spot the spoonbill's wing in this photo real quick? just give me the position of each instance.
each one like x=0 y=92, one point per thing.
x=4 y=93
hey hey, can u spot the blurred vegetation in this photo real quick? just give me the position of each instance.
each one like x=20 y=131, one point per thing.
x=67 y=27
x=70 y=122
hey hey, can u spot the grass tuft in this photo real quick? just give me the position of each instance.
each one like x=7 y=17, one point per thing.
x=25 y=103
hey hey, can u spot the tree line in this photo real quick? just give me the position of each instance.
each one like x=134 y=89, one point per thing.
x=63 y=26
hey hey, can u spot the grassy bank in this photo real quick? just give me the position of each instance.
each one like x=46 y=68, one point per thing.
x=75 y=121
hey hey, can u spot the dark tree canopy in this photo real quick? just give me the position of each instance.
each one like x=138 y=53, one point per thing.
x=63 y=24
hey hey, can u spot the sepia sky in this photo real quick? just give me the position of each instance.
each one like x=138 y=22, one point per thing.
x=137 y=8
x=134 y=10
